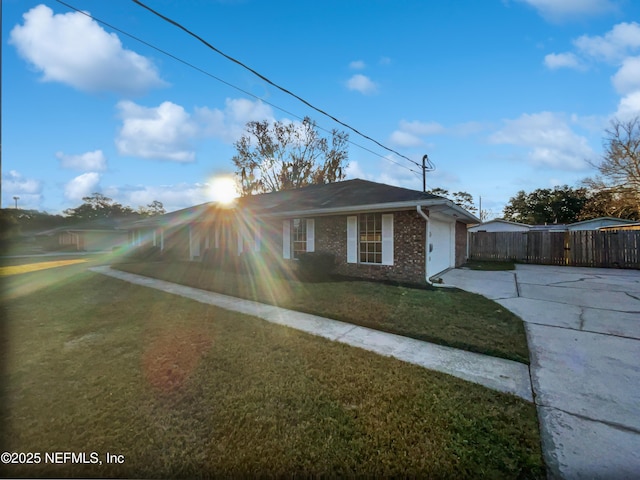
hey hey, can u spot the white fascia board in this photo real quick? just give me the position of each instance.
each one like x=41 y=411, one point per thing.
x=378 y=207
x=444 y=203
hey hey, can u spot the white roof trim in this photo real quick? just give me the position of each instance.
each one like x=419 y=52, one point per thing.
x=387 y=206
x=621 y=221
x=502 y=220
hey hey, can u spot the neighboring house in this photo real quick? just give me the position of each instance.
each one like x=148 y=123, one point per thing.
x=500 y=225
x=375 y=231
x=598 y=223
x=94 y=236
x=620 y=227
x=551 y=227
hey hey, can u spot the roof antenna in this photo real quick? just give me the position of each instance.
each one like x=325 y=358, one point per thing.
x=427 y=166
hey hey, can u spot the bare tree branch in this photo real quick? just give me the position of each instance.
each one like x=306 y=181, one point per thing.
x=284 y=156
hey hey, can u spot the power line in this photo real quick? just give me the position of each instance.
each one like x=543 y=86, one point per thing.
x=262 y=77
x=204 y=72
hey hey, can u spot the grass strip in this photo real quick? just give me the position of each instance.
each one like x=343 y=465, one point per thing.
x=448 y=317
x=182 y=389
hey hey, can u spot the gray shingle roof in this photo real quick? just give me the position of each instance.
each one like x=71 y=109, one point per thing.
x=348 y=193
x=314 y=198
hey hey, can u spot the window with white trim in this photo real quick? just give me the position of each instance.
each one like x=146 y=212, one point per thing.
x=370 y=238
x=298 y=236
x=370 y=228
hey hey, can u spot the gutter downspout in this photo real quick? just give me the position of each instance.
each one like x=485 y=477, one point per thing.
x=426 y=244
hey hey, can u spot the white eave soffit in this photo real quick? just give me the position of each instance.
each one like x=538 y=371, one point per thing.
x=444 y=206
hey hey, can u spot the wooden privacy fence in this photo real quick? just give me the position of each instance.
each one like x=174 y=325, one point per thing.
x=617 y=249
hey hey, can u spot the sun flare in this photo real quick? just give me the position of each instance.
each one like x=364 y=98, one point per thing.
x=223 y=190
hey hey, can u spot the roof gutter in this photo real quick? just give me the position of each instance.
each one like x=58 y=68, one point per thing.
x=409 y=205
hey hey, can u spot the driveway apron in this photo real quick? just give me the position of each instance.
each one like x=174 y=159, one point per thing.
x=583 y=329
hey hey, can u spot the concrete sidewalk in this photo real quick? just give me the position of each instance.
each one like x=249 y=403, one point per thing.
x=495 y=373
x=583 y=329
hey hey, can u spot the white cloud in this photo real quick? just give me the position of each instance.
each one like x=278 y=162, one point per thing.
x=629 y=106
x=81 y=186
x=228 y=125
x=357 y=65
x=89 y=162
x=14 y=183
x=73 y=49
x=559 y=10
x=167 y=132
x=29 y=191
x=384 y=61
x=362 y=84
x=385 y=172
x=409 y=134
x=161 y=133
x=627 y=78
x=405 y=139
x=615 y=45
x=421 y=128
x=619 y=47
x=549 y=140
x=173 y=197
x=563 y=60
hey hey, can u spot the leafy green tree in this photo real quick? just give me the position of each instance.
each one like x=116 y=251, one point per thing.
x=9 y=227
x=283 y=156
x=616 y=188
x=29 y=221
x=462 y=199
x=98 y=206
x=607 y=203
x=543 y=205
x=152 y=209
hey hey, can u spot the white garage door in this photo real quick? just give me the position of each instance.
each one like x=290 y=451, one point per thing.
x=440 y=255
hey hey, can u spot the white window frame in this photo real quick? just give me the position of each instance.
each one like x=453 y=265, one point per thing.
x=287 y=237
x=353 y=240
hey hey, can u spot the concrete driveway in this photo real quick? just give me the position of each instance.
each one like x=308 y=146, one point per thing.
x=583 y=328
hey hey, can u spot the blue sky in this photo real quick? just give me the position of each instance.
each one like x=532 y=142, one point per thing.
x=503 y=95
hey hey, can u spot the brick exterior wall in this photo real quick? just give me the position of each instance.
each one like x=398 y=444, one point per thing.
x=331 y=236
x=461 y=243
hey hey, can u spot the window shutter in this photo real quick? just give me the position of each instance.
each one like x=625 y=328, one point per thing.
x=240 y=242
x=387 y=239
x=257 y=238
x=352 y=239
x=311 y=231
x=286 y=239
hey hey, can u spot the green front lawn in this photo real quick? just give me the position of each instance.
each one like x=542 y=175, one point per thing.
x=183 y=389
x=445 y=316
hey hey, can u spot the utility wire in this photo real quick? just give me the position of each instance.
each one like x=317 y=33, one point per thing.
x=259 y=75
x=184 y=62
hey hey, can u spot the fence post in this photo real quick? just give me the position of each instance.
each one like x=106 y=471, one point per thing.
x=567 y=248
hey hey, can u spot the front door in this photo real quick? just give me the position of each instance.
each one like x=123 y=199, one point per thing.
x=440 y=246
